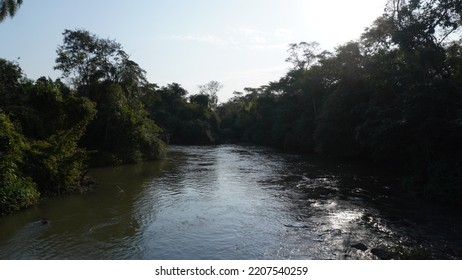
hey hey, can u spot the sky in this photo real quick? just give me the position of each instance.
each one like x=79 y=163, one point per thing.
x=239 y=43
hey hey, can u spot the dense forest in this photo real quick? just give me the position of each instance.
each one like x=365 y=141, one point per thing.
x=393 y=97
x=107 y=114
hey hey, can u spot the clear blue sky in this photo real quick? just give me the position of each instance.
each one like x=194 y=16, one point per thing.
x=239 y=43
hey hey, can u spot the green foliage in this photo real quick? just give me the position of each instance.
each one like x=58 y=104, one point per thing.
x=122 y=131
x=54 y=160
x=16 y=190
x=187 y=123
x=48 y=127
x=202 y=100
x=19 y=194
x=86 y=59
x=102 y=71
x=56 y=164
x=10 y=78
x=40 y=153
x=394 y=97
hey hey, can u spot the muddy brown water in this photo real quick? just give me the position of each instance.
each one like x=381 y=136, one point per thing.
x=232 y=202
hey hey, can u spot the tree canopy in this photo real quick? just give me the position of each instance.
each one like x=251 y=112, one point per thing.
x=394 y=97
x=50 y=132
x=85 y=59
x=102 y=71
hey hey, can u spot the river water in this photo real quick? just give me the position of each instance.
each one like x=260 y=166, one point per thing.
x=233 y=202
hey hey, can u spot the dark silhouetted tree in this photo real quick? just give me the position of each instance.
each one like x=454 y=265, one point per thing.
x=86 y=58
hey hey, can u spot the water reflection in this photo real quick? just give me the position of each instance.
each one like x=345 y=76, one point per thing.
x=230 y=202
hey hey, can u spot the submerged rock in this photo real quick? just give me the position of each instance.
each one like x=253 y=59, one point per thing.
x=359 y=246
x=297 y=225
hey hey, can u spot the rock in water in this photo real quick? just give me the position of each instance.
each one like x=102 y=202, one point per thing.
x=359 y=246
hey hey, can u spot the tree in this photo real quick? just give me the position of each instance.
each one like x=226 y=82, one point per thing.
x=303 y=54
x=41 y=123
x=173 y=95
x=394 y=97
x=10 y=81
x=121 y=132
x=200 y=99
x=8 y=8
x=102 y=71
x=211 y=89
x=424 y=21
x=85 y=58
x=16 y=189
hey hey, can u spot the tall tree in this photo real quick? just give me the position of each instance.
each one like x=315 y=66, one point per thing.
x=211 y=89
x=424 y=22
x=8 y=8
x=303 y=54
x=85 y=59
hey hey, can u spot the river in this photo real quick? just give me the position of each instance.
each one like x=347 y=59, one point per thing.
x=233 y=202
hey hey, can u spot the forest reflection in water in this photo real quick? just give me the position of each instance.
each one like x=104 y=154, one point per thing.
x=233 y=202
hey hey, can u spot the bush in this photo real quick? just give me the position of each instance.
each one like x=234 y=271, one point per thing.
x=56 y=165
x=16 y=192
